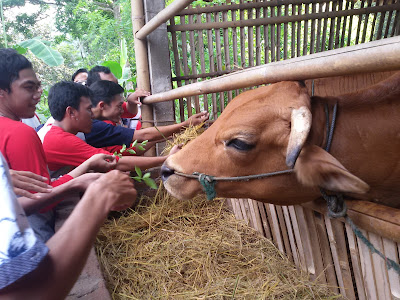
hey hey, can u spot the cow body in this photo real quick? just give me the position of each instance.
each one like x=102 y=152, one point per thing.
x=252 y=135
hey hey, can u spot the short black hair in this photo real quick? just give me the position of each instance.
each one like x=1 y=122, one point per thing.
x=104 y=90
x=78 y=72
x=94 y=75
x=64 y=94
x=11 y=62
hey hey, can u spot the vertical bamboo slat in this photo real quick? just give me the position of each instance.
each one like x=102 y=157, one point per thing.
x=305 y=37
x=227 y=54
x=341 y=258
x=394 y=278
x=258 y=39
x=285 y=34
x=312 y=41
x=326 y=252
x=177 y=70
x=284 y=231
x=278 y=33
x=315 y=247
x=381 y=279
x=235 y=46
x=293 y=247
x=305 y=238
x=250 y=39
x=355 y=260
x=264 y=220
x=299 y=242
x=194 y=65
x=219 y=59
x=212 y=66
x=367 y=268
x=350 y=26
x=366 y=20
x=274 y=226
x=185 y=64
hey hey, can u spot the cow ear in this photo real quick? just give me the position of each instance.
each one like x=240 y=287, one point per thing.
x=316 y=167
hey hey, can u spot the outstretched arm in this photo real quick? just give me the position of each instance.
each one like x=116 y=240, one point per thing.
x=162 y=132
x=128 y=163
x=57 y=273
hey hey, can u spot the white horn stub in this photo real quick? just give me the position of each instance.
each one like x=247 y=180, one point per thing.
x=300 y=128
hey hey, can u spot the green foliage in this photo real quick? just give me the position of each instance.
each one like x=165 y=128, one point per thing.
x=43 y=51
x=140 y=177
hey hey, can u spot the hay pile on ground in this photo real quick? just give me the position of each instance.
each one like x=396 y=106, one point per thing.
x=171 y=249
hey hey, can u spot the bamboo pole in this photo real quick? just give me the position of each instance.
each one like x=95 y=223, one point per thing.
x=162 y=17
x=142 y=63
x=382 y=55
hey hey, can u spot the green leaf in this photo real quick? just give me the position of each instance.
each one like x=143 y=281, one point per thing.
x=144 y=143
x=134 y=143
x=116 y=153
x=140 y=148
x=20 y=49
x=39 y=48
x=131 y=151
x=138 y=171
x=115 y=68
x=151 y=183
x=147 y=175
x=139 y=179
x=123 y=148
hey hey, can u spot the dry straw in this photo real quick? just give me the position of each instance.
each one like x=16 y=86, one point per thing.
x=171 y=249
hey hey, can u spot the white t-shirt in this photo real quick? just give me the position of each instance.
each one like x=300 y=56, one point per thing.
x=20 y=250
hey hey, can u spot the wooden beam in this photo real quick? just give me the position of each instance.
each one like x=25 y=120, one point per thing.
x=382 y=55
x=162 y=17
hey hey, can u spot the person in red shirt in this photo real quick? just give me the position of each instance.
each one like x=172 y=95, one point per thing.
x=71 y=108
x=20 y=91
x=108 y=108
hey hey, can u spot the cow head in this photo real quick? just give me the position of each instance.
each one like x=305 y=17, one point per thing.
x=260 y=131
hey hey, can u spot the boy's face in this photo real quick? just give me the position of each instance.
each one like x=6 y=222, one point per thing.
x=25 y=92
x=114 y=111
x=84 y=115
x=81 y=77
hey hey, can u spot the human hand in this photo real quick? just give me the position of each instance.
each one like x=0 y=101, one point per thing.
x=197 y=119
x=175 y=149
x=134 y=97
x=25 y=182
x=116 y=189
x=82 y=182
x=102 y=162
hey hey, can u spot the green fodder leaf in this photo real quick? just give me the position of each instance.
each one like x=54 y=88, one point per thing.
x=147 y=175
x=150 y=182
x=131 y=151
x=138 y=171
x=43 y=51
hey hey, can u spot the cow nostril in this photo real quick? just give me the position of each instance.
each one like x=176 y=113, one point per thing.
x=166 y=172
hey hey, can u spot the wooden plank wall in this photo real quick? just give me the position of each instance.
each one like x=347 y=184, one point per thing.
x=206 y=42
x=327 y=248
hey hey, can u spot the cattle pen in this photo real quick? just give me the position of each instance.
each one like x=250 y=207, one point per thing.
x=201 y=57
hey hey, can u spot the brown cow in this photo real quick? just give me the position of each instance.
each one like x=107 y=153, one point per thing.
x=259 y=132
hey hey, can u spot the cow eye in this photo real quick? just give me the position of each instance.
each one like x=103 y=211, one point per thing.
x=239 y=145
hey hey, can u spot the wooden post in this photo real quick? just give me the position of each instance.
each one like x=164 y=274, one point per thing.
x=159 y=66
x=382 y=55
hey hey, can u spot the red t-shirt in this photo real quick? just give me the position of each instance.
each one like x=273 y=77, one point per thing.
x=66 y=149
x=23 y=151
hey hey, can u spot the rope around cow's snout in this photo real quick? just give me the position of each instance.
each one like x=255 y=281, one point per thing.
x=208 y=182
